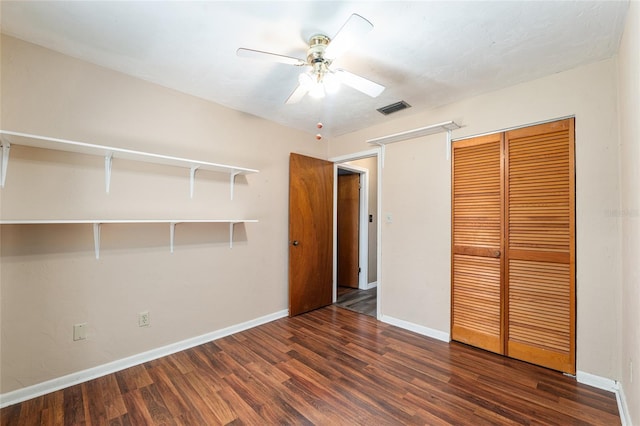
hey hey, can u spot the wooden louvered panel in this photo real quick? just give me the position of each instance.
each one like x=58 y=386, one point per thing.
x=538 y=298
x=540 y=245
x=477 y=194
x=539 y=190
x=476 y=313
x=477 y=214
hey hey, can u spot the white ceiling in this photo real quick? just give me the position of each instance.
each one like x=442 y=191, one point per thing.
x=427 y=53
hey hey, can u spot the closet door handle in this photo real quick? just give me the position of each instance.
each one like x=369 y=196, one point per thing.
x=497 y=254
x=295 y=242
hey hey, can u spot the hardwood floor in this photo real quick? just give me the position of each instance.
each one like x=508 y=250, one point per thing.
x=328 y=367
x=362 y=301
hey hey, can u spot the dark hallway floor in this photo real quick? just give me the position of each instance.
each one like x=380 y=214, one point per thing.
x=361 y=301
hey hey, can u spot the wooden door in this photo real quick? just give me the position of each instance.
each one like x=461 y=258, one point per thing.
x=348 y=230
x=540 y=246
x=477 y=216
x=310 y=233
x=513 y=248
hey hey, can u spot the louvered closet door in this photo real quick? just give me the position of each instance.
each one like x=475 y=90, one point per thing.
x=477 y=211
x=540 y=245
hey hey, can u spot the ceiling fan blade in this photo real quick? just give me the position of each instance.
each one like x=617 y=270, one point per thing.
x=297 y=95
x=359 y=83
x=273 y=57
x=352 y=30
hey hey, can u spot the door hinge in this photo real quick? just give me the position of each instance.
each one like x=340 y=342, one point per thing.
x=359 y=270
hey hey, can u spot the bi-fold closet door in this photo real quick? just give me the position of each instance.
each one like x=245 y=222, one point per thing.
x=513 y=243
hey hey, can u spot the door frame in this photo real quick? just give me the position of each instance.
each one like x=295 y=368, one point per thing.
x=363 y=213
x=338 y=162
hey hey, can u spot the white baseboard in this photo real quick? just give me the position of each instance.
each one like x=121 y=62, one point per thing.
x=623 y=408
x=611 y=386
x=597 y=381
x=53 y=385
x=372 y=285
x=425 y=331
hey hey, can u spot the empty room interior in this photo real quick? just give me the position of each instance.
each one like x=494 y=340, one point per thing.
x=318 y=212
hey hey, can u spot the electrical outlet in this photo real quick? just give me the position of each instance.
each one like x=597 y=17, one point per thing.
x=144 y=320
x=79 y=331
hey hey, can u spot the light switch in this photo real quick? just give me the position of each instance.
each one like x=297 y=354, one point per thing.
x=80 y=331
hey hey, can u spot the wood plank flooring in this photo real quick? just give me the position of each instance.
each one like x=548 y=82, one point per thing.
x=362 y=301
x=328 y=367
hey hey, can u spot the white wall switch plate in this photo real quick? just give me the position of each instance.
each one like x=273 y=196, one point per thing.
x=80 y=331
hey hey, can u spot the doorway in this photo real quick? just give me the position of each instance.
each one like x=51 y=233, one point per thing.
x=356 y=234
x=312 y=230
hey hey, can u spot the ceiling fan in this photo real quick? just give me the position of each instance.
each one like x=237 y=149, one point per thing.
x=320 y=78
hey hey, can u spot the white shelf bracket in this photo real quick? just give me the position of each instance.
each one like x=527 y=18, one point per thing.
x=172 y=234
x=448 y=145
x=5 y=162
x=233 y=180
x=96 y=239
x=192 y=179
x=231 y=226
x=108 y=161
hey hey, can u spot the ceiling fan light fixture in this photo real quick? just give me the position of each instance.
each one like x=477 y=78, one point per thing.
x=317 y=90
x=331 y=83
x=305 y=80
x=318 y=83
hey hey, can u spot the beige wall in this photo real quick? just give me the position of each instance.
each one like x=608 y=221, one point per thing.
x=629 y=97
x=416 y=191
x=50 y=278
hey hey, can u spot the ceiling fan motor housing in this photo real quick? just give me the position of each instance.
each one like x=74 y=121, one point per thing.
x=317 y=45
x=315 y=56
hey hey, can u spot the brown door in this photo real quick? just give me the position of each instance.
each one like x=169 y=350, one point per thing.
x=310 y=233
x=540 y=247
x=477 y=211
x=348 y=229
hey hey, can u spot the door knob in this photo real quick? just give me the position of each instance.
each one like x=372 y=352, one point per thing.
x=295 y=242
x=496 y=254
